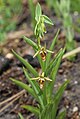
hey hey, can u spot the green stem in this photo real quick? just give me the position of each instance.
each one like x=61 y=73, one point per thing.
x=38 y=39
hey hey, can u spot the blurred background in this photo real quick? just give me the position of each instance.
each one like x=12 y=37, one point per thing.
x=17 y=14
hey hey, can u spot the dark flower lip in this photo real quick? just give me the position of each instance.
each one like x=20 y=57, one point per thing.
x=43 y=58
x=43 y=55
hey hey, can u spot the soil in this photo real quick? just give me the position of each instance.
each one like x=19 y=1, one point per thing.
x=12 y=68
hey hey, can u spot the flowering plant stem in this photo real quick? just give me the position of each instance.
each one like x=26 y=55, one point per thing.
x=42 y=84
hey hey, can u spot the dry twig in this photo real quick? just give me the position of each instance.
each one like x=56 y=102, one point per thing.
x=73 y=52
x=11 y=100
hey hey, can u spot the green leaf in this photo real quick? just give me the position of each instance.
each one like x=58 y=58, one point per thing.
x=47 y=20
x=20 y=115
x=50 y=110
x=34 y=45
x=45 y=93
x=55 y=69
x=51 y=48
x=52 y=63
x=54 y=40
x=38 y=12
x=46 y=112
x=34 y=84
x=57 y=97
x=39 y=59
x=34 y=110
x=35 y=87
x=26 y=64
x=61 y=115
x=24 y=86
x=54 y=73
x=30 y=42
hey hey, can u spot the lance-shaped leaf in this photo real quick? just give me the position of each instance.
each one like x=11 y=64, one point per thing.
x=38 y=12
x=46 y=112
x=36 y=88
x=30 y=42
x=45 y=93
x=57 y=97
x=50 y=109
x=51 y=48
x=26 y=64
x=32 y=109
x=54 y=73
x=52 y=63
x=24 y=86
x=47 y=20
x=20 y=115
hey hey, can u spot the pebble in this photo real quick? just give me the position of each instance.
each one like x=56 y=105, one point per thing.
x=9 y=56
x=67 y=107
x=75 y=109
x=75 y=82
x=61 y=71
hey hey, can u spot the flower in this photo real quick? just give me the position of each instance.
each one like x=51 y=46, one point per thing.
x=42 y=51
x=41 y=79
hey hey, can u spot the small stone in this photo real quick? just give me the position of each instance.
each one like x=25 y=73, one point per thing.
x=67 y=107
x=3 y=84
x=9 y=56
x=55 y=85
x=61 y=71
x=75 y=109
x=75 y=82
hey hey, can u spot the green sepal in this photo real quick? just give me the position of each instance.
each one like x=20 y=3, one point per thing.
x=38 y=12
x=47 y=20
